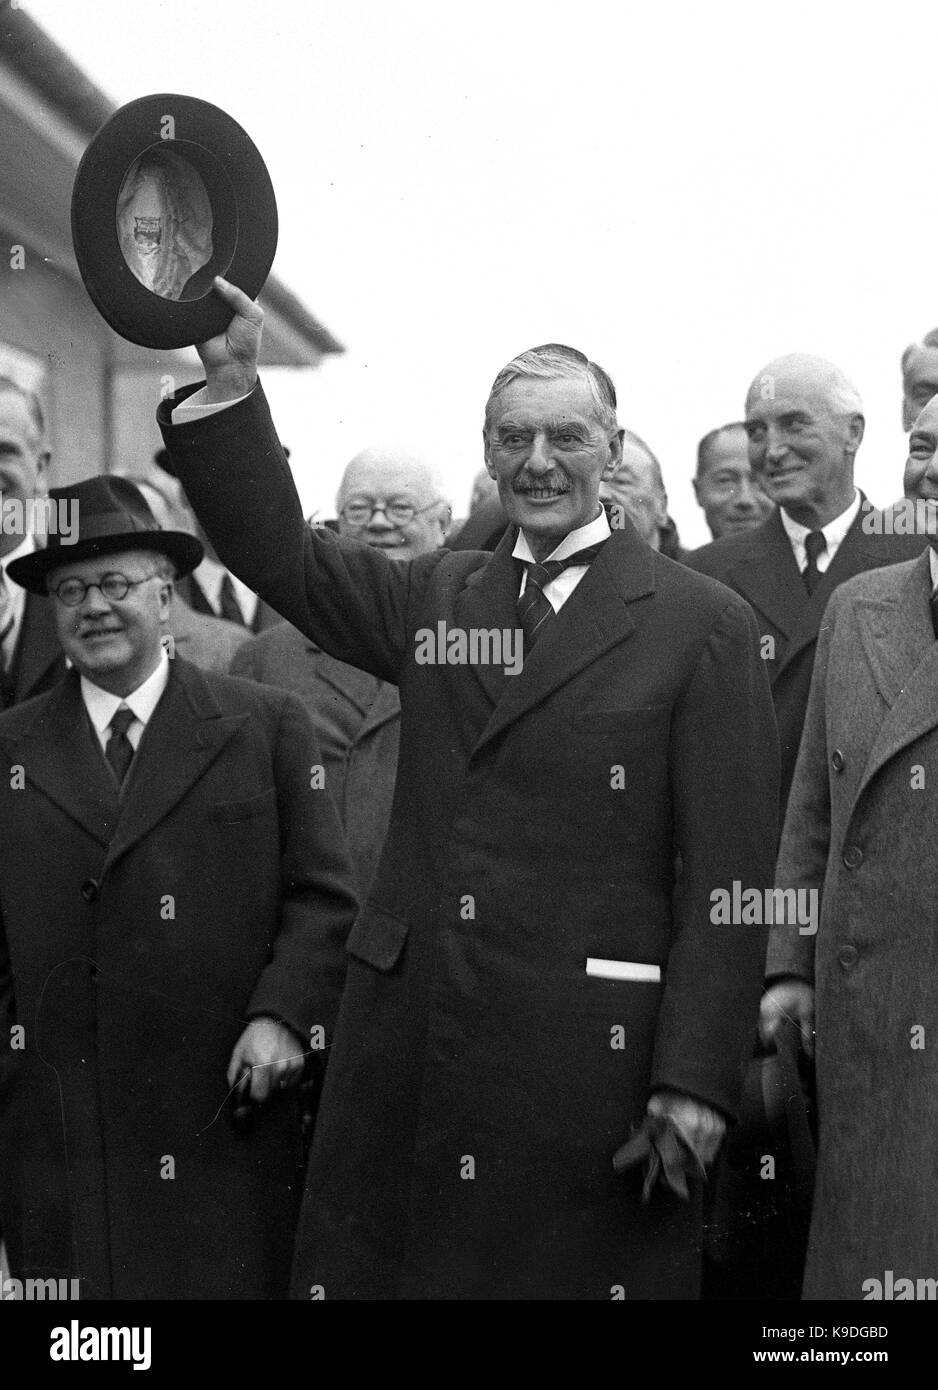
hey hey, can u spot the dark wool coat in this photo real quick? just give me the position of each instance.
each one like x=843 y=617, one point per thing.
x=861 y=829
x=131 y=1003
x=481 y=1080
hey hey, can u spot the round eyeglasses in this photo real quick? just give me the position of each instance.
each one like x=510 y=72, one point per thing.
x=358 y=512
x=113 y=586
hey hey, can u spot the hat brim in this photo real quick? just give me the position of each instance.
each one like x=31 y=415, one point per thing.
x=243 y=218
x=183 y=550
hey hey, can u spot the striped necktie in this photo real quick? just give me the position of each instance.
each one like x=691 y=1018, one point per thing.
x=119 y=750
x=534 y=607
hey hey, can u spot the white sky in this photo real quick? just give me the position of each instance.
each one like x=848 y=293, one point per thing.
x=683 y=191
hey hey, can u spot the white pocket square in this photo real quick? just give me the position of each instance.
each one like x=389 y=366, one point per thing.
x=622 y=970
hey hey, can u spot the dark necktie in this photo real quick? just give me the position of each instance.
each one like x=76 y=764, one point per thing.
x=815 y=544
x=933 y=604
x=119 y=750
x=229 y=607
x=534 y=607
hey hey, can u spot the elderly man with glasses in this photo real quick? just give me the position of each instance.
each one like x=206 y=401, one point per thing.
x=174 y=901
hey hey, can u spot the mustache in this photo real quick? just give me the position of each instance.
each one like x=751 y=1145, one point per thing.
x=542 y=485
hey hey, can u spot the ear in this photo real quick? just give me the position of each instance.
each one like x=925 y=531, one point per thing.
x=487 y=456
x=42 y=472
x=856 y=426
x=166 y=590
x=696 y=486
x=615 y=454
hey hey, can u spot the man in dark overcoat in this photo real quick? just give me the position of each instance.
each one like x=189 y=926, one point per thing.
x=173 y=904
x=805 y=423
x=536 y=965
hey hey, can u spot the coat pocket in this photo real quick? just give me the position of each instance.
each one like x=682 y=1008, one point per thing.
x=246 y=809
x=377 y=938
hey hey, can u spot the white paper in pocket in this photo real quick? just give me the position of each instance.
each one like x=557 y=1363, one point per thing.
x=623 y=970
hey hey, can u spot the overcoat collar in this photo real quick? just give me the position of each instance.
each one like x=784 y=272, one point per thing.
x=61 y=758
x=596 y=617
x=899 y=644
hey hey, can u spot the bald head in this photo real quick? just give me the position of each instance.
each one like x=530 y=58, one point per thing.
x=804 y=420
x=813 y=377
x=396 y=480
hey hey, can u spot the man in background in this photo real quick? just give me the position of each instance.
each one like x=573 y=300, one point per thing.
x=394 y=500
x=212 y=589
x=919 y=377
x=31 y=657
x=637 y=487
x=732 y=499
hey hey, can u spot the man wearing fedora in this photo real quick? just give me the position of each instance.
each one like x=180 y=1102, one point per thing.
x=174 y=901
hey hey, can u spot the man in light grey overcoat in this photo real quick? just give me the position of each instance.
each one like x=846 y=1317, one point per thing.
x=861 y=828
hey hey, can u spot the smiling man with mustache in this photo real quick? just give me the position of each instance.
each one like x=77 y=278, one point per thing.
x=535 y=970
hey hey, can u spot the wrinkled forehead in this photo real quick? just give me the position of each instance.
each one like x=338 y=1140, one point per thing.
x=730 y=449
x=383 y=477
x=15 y=417
x=546 y=403
x=922 y=366
x=773 y=395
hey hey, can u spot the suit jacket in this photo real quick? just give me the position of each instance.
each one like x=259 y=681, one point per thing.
x=208 y=642
x=760 y=566
x=137 y=936
x=481 y=1080
x=191 y=591
x=861 y=825
x=357 y=719
x=38 y=661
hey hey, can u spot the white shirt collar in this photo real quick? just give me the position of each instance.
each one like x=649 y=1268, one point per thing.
x=833 y=532
x=101 y=704
x=209 y=575
x=591 y=534
x=16 y=594
x=933 y=566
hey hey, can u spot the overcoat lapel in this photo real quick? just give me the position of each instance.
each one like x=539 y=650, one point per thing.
x=182 y=739
x=60 y=757
x=489 y=600
x=38 y=647
x=595 y=618
x=899 y=644
x=856 y=553
x=767 y=577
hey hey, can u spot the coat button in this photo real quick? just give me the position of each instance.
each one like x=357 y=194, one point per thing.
x=853 y=856
x=89 y=890
x=848 y=956
x=837 y=760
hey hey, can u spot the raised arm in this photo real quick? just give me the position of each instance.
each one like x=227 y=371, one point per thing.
x=347 y=596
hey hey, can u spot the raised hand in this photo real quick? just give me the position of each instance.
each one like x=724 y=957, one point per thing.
x=230 y=358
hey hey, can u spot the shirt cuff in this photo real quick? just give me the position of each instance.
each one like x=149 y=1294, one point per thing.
x=196 y=407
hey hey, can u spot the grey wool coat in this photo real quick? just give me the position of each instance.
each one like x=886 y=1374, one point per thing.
x=861 y=828
x=481 y=1079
